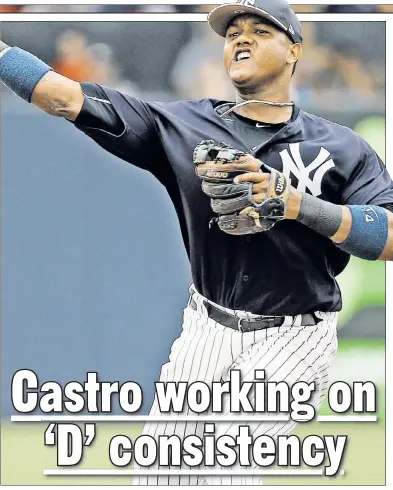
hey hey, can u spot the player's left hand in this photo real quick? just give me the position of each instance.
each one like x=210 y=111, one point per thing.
x=247 y=195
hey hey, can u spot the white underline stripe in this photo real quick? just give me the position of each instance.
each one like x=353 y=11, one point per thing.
x=185 y=418
x=147 y=418
x=196 y=471
x=347 y=418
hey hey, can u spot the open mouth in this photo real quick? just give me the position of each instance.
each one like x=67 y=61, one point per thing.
x=241 y=55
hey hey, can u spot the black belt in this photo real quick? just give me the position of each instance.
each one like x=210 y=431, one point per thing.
x=250 y=324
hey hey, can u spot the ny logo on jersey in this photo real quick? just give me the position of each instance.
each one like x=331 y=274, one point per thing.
x=246 y=2
x=293 y=163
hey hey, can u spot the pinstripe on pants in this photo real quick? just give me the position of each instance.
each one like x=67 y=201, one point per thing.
x=207 y=351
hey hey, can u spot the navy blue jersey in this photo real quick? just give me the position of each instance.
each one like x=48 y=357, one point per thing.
x=288 y=270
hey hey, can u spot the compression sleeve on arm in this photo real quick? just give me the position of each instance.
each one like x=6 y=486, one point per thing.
x=321 y=216
x=20 y=71
x=368 y=235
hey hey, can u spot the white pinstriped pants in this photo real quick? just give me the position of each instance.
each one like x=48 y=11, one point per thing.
x=207 y=351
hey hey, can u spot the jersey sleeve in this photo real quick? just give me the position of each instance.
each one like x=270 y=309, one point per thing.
x=121 y=124
x=369 y=182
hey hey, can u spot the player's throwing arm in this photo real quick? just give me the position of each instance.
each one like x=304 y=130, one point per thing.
x=34 y=81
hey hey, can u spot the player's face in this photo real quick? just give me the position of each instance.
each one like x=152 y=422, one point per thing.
x=255 y=52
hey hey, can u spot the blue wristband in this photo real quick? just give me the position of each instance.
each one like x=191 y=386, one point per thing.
x=20 y=71
x=369 y=232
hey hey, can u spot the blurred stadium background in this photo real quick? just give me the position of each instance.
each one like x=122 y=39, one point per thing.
x=87 y=285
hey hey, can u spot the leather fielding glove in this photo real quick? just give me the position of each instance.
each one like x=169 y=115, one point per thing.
x=238 y=213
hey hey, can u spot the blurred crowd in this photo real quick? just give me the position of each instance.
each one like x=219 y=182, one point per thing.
x=184 y=8
x=343 y=64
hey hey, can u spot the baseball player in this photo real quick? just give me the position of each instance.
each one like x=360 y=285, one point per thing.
x=271 y=200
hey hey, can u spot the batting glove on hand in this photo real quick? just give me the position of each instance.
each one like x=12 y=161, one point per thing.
x=247 y=195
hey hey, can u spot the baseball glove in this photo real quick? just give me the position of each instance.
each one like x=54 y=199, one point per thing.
x=238 y=213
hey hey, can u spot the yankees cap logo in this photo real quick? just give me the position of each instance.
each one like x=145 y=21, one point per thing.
x=246 y=2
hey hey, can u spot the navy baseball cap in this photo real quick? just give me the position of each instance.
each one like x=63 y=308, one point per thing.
x=278 y=12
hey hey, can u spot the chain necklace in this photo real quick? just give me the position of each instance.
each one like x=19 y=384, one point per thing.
x=266 y=102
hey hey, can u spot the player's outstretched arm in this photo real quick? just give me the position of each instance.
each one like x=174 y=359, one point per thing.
x=34 y=81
